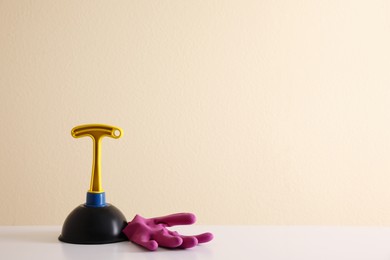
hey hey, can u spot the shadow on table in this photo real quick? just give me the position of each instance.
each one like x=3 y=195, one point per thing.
x=128 y=249
x=198 y=252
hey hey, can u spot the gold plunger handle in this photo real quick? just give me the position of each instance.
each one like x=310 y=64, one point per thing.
x=96 y=132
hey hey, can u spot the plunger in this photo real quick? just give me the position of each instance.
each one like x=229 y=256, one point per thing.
x=95 y=222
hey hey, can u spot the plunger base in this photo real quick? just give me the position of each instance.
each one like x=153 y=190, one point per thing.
x=89 y=225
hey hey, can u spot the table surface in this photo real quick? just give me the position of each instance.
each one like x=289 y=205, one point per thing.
x=230 y=242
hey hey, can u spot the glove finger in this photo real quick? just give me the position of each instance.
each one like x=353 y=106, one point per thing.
x=165 y=239
x=205 y=237
x=191 y=241
x=144 y=241
x=151 y=245
x=188 y=242
x=176 y=219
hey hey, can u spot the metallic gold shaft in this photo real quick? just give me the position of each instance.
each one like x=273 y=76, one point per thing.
x=96 y=132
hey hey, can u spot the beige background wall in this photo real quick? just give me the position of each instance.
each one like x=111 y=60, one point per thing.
x=243 y=112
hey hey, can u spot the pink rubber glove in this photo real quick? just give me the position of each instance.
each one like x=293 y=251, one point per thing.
x=152 y=232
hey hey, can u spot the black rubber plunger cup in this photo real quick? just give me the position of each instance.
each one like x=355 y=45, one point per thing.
x=95 y=222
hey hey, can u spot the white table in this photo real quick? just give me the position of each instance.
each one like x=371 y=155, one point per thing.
x=230 y=242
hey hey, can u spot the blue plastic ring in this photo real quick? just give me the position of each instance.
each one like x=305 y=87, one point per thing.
x=96 y=200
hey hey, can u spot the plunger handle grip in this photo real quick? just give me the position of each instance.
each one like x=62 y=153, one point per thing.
x=96 y=132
